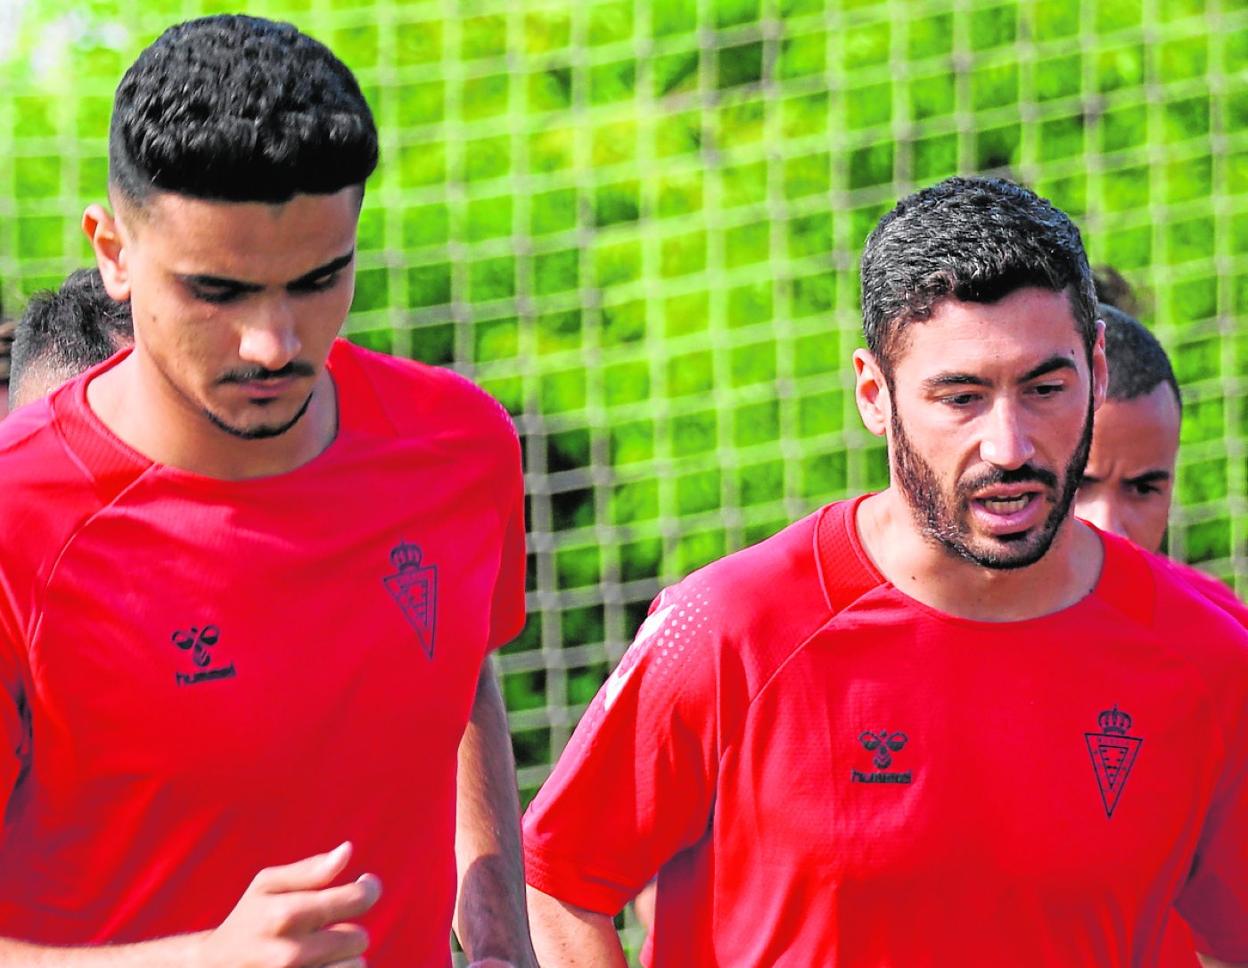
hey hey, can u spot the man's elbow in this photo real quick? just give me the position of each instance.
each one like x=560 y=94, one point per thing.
x=568 y=936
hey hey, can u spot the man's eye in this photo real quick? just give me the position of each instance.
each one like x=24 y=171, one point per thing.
x=959 y=399
x=215 y=296
x=1144 y=489
x=1048 y=389
x=317 y=285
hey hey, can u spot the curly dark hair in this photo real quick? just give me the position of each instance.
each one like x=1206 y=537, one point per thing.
x=239 y=109
x=977 y=240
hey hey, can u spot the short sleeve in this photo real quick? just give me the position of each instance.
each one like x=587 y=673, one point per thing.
x=507 y=604
x=1214 y=901
x=636 y=783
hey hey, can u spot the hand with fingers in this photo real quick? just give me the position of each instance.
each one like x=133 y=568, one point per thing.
x=290 y=917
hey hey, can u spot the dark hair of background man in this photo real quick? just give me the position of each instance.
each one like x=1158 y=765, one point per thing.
x=65 y=332
x=1138 y=362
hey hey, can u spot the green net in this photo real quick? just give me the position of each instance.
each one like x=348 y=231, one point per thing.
x=638 y=225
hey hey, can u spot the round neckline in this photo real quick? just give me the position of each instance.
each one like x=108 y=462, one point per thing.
x=89 y=424
x=1095 y=594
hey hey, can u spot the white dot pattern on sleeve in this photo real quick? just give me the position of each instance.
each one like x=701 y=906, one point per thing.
x=661 y=643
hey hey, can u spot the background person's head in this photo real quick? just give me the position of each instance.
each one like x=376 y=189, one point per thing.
x=65 y=332
x=238 y=152
x=1128 y=483
x=983 y=364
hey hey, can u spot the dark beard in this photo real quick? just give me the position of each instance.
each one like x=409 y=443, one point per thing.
x=943 y=518
x=263 y=432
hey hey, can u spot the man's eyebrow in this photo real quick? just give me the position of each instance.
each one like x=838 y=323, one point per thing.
x=219 y=282
x=942 y=380
x=320 y=271
x=1149 y=477
x=1055 y=362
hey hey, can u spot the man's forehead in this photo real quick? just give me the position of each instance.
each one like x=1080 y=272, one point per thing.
x=194 y=236
x=1149 y=421
x=1021 y=330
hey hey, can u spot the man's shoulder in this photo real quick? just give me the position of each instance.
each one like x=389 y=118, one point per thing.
x=777 y=591
x=1184 y=610
x=1210 y=588
x=412 y=394
x=33 y=452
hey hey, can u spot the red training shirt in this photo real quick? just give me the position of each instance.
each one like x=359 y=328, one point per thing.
x=824 y=771
x=201 y=678
x=1178 y=945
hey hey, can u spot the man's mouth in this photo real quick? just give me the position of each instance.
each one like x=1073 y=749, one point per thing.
x=1007 y=505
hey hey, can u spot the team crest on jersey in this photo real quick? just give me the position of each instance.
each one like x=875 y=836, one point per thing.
x=882 y=745
x=1113 y=754
x=414 y=586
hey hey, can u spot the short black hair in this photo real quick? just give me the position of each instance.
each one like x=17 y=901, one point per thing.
x=238 y=109
x=1112 y=289
x=977 y=240
x=1138 y=363
x=65 y=332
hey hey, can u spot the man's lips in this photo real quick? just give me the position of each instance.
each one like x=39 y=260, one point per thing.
x=267 y=388
x=1007 y=491
x=1008 y=509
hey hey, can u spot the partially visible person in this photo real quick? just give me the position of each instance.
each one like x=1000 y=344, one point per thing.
x=1128 y=485
x=6 y=344
x=64 y=332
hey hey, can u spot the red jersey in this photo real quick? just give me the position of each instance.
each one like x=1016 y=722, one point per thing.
x=1178 y=945
x=200 y=678
x=1212 y=589
x=824 y=771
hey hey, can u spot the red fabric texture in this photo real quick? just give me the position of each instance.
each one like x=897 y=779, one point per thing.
x=202 y=678
x=824 y=772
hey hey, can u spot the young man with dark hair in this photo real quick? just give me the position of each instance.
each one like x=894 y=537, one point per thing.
x=945 y=724
x=252 y=574
x=63 y=333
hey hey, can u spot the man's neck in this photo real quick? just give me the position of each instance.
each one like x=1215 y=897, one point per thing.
x=138 y=405
x=927 y=571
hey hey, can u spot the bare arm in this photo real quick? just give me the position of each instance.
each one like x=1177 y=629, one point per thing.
x=566 y=936
x=287 y=918
x=490 y=919
x=1211 y=962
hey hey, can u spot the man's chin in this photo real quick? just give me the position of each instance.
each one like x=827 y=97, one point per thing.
x=257 y=429
x=1007 y=552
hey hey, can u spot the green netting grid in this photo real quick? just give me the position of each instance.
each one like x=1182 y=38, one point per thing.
x=1145 y=199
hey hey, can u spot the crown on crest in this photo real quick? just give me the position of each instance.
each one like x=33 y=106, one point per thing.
x=405 y=555
x=1114 y=721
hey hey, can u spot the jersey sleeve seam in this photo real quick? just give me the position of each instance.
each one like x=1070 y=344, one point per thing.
x=36 y=626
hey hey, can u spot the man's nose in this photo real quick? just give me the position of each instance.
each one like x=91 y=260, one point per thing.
x=270 y=338
x=1007 y=441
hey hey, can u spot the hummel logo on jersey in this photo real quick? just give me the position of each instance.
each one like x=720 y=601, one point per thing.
x=1113 y=754
x=883 y=744
x=415 y=588
x=199 y=642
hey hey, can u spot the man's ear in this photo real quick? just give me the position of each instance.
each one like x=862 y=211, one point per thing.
x=1100 y=367
x=105 y=233
x=871 y=392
